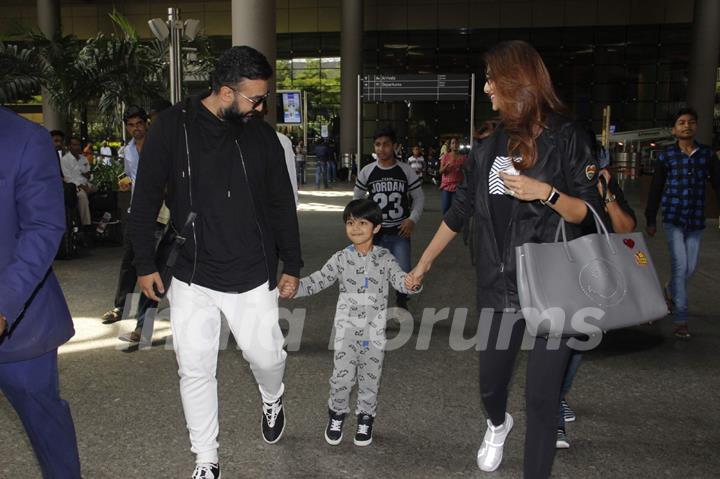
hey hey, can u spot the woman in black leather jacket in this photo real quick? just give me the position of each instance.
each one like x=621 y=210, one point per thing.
x=536 y=168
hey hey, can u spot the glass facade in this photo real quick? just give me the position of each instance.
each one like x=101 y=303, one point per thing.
x=311 y=62
x=320 y=79
x=639 y=70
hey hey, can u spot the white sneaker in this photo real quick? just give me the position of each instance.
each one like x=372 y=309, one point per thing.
x=490 y=454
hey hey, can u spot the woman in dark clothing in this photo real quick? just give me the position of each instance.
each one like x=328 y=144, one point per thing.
x=622 y=220
x=535 y=168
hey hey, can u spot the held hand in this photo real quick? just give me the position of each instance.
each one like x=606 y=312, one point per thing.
x=651 y=230
x=406 y=228
x=525 y=188
x=3 y=324
x=287 y=292
x=288 y=286
x=147 y=284
x=416 y=276
x=410 y=283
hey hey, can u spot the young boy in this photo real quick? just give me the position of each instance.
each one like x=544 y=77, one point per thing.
x=397 y=189
x=363 y=272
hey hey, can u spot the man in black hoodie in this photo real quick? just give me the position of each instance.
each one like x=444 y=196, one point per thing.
x=214 y=156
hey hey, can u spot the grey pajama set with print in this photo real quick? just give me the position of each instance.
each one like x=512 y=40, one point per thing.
x=360 y=320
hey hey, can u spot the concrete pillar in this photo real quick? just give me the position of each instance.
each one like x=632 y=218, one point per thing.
x=351 y=34
x=254 y=24
x=49 y=24
x=704 y=64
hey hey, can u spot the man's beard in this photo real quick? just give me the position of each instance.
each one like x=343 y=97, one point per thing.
x=234 y=115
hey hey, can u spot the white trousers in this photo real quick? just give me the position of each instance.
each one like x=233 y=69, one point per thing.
x=84 y=208
x=195 y=320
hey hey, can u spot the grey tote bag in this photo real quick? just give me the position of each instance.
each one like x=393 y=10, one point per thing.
x=588 y=285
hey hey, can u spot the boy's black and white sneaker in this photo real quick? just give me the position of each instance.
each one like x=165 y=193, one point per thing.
x=562 y=441
x=206 y=471
x=363 y=436
x=273 y=421
x=333 y=431
x=568 y=414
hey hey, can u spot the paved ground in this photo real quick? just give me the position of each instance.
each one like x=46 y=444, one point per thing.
x=647 y=404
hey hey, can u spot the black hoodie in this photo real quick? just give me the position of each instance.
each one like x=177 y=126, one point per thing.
x=241 y=192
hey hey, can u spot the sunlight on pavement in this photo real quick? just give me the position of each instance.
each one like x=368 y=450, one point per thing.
x=325 y=193
x=91 y=333
x=320 y=207
x=311 y=203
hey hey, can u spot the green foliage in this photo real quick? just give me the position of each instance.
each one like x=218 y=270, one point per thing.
x=107 y=72
x=105 y=176
x=20 y=71
x=123 y=72
x=66 y=82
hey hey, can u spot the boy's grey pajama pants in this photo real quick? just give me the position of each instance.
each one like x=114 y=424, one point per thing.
x=356 y=353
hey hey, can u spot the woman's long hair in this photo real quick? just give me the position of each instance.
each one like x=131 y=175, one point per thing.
x=525 y=95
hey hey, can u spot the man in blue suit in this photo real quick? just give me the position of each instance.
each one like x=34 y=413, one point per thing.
x=34 y=318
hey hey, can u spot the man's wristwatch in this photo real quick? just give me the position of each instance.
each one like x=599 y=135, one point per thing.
x=610 y=199
x=552 y=199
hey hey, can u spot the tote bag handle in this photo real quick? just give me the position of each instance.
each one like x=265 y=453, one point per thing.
x=599 y=224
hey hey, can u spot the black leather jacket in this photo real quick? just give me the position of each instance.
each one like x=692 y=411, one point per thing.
x=565 y=160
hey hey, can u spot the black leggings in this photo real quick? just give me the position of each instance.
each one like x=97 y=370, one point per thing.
x=545 y=371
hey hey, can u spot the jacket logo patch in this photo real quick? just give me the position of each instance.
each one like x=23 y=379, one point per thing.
x=590 y=171
x=629 y=243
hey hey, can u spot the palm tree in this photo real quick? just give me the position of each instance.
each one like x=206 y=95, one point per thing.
x=111 y=71
x=20 y=73
x=124 y=70
x=68 y=85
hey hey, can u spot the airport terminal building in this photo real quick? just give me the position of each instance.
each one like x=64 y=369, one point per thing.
x=634 y=56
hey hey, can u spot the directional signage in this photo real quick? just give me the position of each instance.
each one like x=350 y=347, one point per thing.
x=416 y=87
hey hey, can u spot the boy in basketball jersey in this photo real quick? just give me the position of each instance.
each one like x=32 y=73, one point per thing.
x=397 y=190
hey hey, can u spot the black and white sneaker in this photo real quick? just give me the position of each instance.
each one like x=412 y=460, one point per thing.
x=206 y=471
x=567 y=413
x=562 y=441
x=333 y=431
x=363 y=436
x=273 y=421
